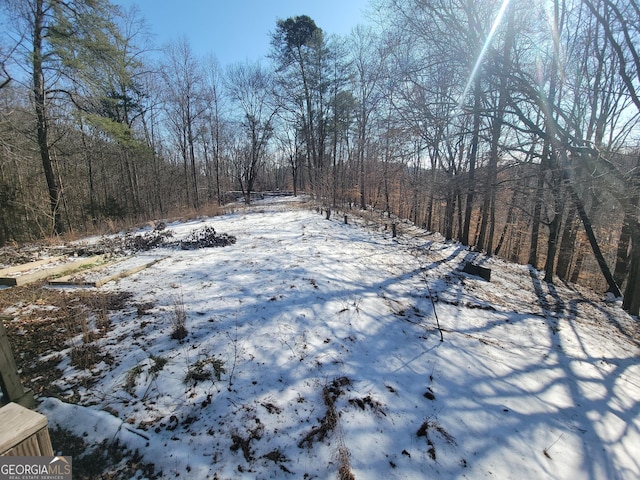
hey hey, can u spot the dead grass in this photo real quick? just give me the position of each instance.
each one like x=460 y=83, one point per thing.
x=244 y=444
x=368 y=402
x=328 y=422
x=427 y=429
x=344 y=464
x=85 y=356
x=178 y=319
x=45 y=320
x=107 y=461
x=132 y=377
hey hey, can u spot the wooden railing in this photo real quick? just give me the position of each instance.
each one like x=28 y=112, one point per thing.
x=12 y=389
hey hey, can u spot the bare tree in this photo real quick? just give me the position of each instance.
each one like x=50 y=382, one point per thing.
x=291 y=147
x=620 y=21
x=5 y=55
x=503 y=68
x=251 y=87
x=214 y=126
x=563 y=142
x=185 y=104
x=369 y=56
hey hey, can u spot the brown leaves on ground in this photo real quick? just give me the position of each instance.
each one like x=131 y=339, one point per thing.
x=44 y=320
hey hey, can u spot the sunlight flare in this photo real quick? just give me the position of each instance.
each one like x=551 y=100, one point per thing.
x=485 y=46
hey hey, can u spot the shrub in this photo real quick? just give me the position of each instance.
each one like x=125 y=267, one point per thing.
x=205 y=369
x=178 y=319
x=85 y=356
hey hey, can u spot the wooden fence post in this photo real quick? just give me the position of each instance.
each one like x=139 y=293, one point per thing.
x=12 y=390
x=24 y=433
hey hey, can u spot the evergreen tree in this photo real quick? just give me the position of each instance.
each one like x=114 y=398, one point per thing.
x=64 y=43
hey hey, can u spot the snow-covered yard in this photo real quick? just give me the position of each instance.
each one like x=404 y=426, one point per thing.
x=312 y=351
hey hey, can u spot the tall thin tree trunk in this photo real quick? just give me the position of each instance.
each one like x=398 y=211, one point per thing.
x=192 y=158
x=577 y=266
x=536 y=218
x=517 y=243
x=602 y=263
x=93 y=204
x=42 y=127
x=432 y=186
x=510 y=219
x=631 y=301
x=567 y=244
x=487 y=226
x=472 y=162
x=549 y=150
x=558 y=197
x=621 y=269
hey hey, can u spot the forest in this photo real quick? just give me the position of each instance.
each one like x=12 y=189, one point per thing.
x=508 y=126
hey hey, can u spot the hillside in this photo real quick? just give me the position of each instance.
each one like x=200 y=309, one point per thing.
x=312 y=351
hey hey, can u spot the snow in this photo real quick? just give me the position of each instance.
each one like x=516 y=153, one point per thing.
x=531 y=381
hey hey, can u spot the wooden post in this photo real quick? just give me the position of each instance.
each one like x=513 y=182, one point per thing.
x=23 y=432
x=393 y=230
x=12 y=390
x=345 y=219
x=328 y=213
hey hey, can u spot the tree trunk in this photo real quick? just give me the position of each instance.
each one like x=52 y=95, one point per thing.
x=449 y=210
x=631 y=302
x=432 y=186
x=510 y=220
x=613 y=288
x=555 y=224
x=517 y=243
x=42 y=128
x=535 y=223
x=208 y=171
x=93 y=203
x=192 y=158
x=363 y=203
x=621 y=269
x=132 y=181
x=577 y=267
x=472 y=162
x=487 y=226
x=567 y=244
x=294 y=176
x=552 y=247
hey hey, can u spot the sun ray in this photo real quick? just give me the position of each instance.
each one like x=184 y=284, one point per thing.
x=487 y=42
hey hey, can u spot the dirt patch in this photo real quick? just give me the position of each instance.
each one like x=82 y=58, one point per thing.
x=429 y=395
x=107 y=461
x=368 y=402
x=272 y=408
x=243 y=443
x=45 y=321
x=279 y=459
x=328 y=422
x=427 y=429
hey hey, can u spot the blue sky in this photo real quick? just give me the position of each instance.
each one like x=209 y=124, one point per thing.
x=239 y=30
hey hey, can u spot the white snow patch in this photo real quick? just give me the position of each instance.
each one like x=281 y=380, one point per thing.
x=531 y=381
